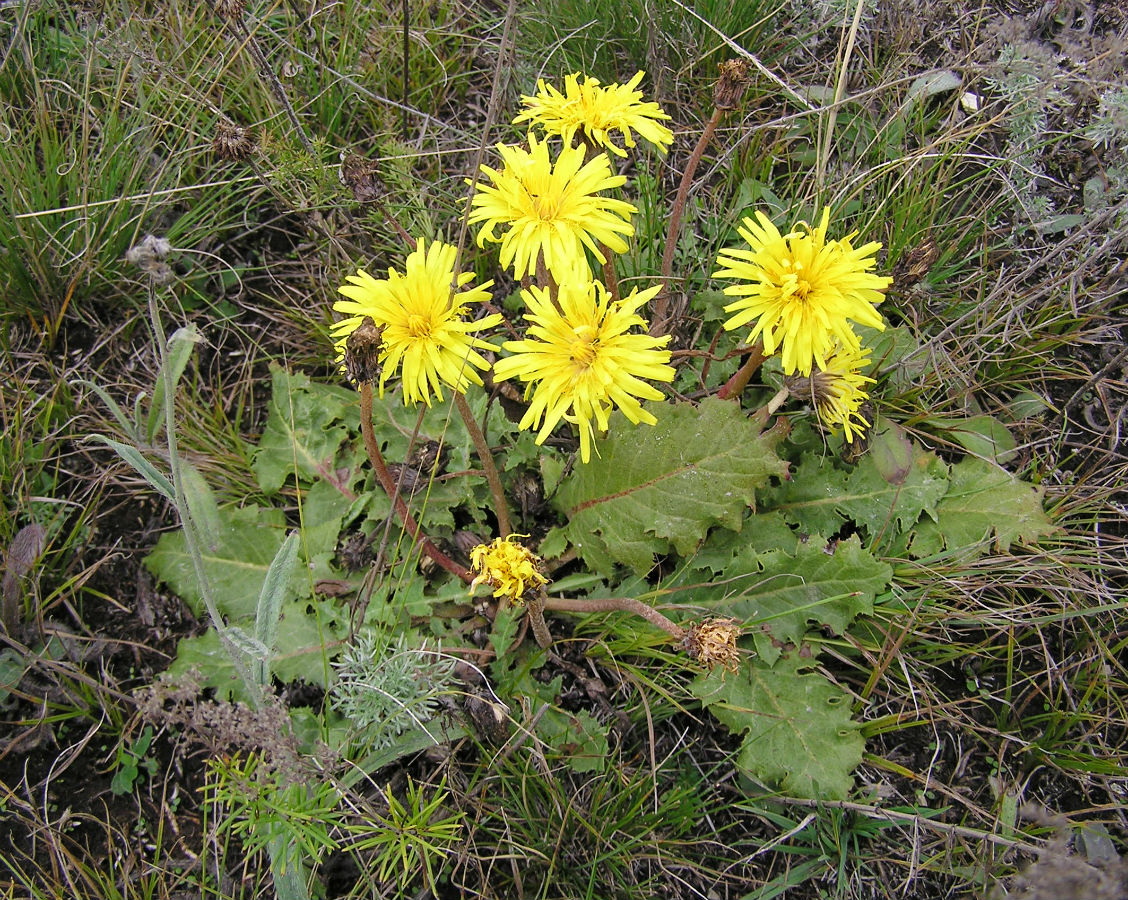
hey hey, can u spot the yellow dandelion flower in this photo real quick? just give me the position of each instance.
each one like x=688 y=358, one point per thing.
x=551 y=209
x=801 y=290
x=837 y=390
x=597 y=112
x=420 y=313
x=580 y=360
x=507 y=567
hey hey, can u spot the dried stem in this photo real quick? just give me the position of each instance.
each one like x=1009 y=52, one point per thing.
x=616 y=604
x=239 y=27
x=483 y=450
x=389 y=485
x=534 y=610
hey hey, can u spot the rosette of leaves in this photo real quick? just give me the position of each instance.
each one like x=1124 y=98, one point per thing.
x=388 y=688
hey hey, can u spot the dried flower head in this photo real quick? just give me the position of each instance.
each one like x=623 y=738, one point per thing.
x=551 y=209
x=837 y=391
x=801 y=290
x=149 y=256
x=420 y=313
x=597 y=112
x=362 y=352
x=359 y=175
x=580 y=359
x=713 y=642
x=509 y=568
x=230 y=10
x=232 y=141
x=732 y=81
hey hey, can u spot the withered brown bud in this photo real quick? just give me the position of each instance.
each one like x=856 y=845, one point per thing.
x=428 y=457
x=232 y=10
x=362 y=352
x=713 y=642
x=359 y=176
x=232 y=142
x=914 y=265
x=465 y=541
x=732 y=81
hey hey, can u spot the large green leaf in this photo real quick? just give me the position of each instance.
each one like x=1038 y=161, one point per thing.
x=887 y=491
x=245 y=546
x=303 y=431
x=304 y=637
x=798 y=736
x=653 y=488
x=781 y=595
x=983 y=502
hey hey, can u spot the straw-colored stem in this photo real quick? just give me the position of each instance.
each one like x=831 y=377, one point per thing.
x=616 y=604
x=389 y=485
x=501 y=509
x=769 y=408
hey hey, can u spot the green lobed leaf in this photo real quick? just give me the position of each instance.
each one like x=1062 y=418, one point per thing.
x=653 y=488
x=303 y=431
x=886 y=490
x=984 y=436
x=246 y=545
x=781 y=595
x=798 y=735
x=577 y=736
x=983 y=502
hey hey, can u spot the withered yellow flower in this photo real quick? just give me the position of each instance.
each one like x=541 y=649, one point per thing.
x=509 y=568
x=837 y=391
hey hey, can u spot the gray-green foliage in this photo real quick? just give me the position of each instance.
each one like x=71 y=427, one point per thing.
x=386 y=687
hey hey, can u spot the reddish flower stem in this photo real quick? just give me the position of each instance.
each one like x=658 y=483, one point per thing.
x=735 y=386
x=501 y=509
x=389 y=485
x=659 y=323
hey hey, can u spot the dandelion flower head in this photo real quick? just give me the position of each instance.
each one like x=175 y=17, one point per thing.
x=800 y=290
x=550 y=209
x=580 y=359
x=507 y=567
x=838 y=389
x=597 y=112
x=420 y=311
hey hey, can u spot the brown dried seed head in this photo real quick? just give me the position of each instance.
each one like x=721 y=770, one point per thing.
x=362 y=352
x=713 y=642
x=914 y=265
x=358 y=174
x=731 y=83
x=232 y=10
x=232 y=142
